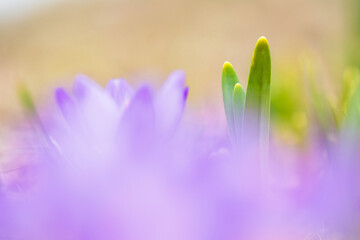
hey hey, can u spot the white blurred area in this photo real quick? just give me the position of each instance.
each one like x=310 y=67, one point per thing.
x=14 y=10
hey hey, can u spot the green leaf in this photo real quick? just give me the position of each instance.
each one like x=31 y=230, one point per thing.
x=351 y=103
x=26 y=99
x=257 y=102
x=238 y=110
x=229 y=80
x=351 y=83
x=322 y=107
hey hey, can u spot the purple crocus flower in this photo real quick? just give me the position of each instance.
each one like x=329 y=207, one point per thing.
x=120 y=164
x=98 y=163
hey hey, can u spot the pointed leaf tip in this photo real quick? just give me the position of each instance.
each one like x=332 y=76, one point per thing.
x=262 y=52
x=227 y=65
x=237 y=86
x=262 y=41
x=229 y=77
x=239 y=91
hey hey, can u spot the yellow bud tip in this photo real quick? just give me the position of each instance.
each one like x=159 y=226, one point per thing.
x=263 y=40
x=237 y=85
x=262 y=48
x=227 y=65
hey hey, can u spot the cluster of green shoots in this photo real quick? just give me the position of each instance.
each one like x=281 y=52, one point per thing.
x=248 y=113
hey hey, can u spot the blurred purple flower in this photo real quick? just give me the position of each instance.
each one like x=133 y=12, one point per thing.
x=120 y=164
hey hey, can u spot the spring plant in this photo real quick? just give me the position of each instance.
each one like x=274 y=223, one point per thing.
x=334 y=117
x=121 y=163
x=248 y=113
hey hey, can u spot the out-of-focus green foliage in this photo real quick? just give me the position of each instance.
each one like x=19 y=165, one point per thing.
x=302 y=104
x=288 y=104
x=26 y=99
x=349 y=105
x=353 y=36
x=321 y=109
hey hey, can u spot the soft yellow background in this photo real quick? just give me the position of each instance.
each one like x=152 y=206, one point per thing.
x=146 y=39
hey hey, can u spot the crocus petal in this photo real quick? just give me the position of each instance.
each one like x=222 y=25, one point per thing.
x=95 y=101
x=5 y=221
x=186 y=93
x=65 y=103
x=121 y=91
x=170 y=102
x=83 y=85
x=138 y=122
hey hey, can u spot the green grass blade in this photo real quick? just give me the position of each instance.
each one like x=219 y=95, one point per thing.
x=351 y=123
x=238 y=110
x=229 y=80
x=321 y=106
x=351 y=83
x=257 y=102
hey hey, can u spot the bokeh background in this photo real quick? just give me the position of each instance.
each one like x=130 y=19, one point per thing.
x=46 y=43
